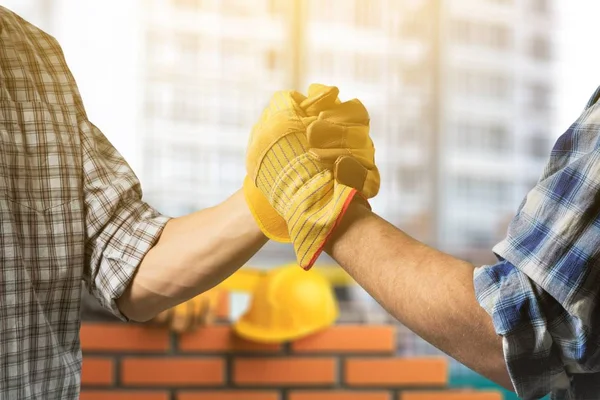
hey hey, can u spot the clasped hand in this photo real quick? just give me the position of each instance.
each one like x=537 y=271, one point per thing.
x=308 y=157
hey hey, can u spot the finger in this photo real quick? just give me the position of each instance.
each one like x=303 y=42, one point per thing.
x=202 y=310
x=183 y=314
x=348 y=171
x=320 y=97
x=216 y=297
x=325 y=134
x=372 y=183
x=348 y=112
x=284 y=101
x=209 y=315
x=161 y=318
x=329 y=156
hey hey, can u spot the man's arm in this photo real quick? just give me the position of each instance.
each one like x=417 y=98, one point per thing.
x=430 y=292
x=193 y=254
x=139 y=262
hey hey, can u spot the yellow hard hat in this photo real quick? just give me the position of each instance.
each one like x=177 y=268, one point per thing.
x=288 y=303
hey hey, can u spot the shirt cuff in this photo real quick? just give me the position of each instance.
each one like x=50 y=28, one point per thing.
x=126 y=252
x=519 y=311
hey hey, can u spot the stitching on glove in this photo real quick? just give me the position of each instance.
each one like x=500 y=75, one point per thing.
x=263 y=154
x=304 y=188
x=286 y=171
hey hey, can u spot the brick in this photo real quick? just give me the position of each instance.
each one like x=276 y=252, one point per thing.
x=97 y=371
x=284 y=371
x=338 y=395
x=396 y=372
x=121 y=337
x=229 y=395
x=450 y=395
x=122 y=395
x=220 y=338
x=175 y=371
x=349 y=339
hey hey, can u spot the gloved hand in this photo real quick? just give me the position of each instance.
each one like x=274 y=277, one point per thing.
x=307 y=158
x=189 y=315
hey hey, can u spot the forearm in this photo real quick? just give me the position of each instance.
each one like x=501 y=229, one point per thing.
x=430 y=292
x=193 y=254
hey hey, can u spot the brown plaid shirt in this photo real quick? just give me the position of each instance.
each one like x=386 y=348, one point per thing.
x=70 y=209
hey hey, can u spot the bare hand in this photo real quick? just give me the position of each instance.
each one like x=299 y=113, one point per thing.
x=188 y=316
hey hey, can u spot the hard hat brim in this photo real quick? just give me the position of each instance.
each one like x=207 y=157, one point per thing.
x=253 y=333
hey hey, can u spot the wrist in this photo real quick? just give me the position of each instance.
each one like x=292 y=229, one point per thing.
x=358 y=209
x=237 y=208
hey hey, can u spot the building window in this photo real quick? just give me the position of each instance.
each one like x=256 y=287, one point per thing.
x=483 y=84
x=368 y=13
x=469 y=33
x=188 y=5
x=410 y=181
x=416 y=76
x=188 y=46
x=491 y=138
x=540 y=48
x=482 y=191
x=159 y=99
x=236 y=7
x=539 y=146
x=325 y=63
x=499 y=37
x=367 y=68
x=322 y=10
x=278 y=7
x=413 y=28
x=186 y=104
x=540 y=6
x=498 y=138
x=231 y=167
x=461 y=32
x=274 y=60
x=477 y=236
x=540 y=97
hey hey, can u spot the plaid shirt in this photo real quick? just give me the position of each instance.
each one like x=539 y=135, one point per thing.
x=543 y=293
x=70 y=209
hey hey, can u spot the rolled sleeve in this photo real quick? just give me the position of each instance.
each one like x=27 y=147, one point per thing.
x=543 y=293
x=520 y=311
x=120 y=227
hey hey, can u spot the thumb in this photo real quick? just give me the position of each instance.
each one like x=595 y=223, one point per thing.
x=320 y=98
x=350 y=172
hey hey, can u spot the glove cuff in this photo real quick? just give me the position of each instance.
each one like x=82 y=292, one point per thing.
x=315 y=217
x=268 y=220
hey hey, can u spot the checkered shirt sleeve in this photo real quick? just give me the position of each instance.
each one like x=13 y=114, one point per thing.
x=120 y=227
x=543 y=293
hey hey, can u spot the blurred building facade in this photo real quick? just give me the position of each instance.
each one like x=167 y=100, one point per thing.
x=460 y=96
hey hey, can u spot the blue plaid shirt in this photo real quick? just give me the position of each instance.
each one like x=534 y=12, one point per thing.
x=543 y=293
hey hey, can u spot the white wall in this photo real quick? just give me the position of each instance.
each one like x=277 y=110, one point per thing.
x=101 y=43
x=579 y=60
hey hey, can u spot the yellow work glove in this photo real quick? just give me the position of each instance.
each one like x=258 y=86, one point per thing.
x=306 y=160
x=189 y=315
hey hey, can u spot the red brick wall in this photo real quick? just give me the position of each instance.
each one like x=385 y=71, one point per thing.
x=346 y=362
